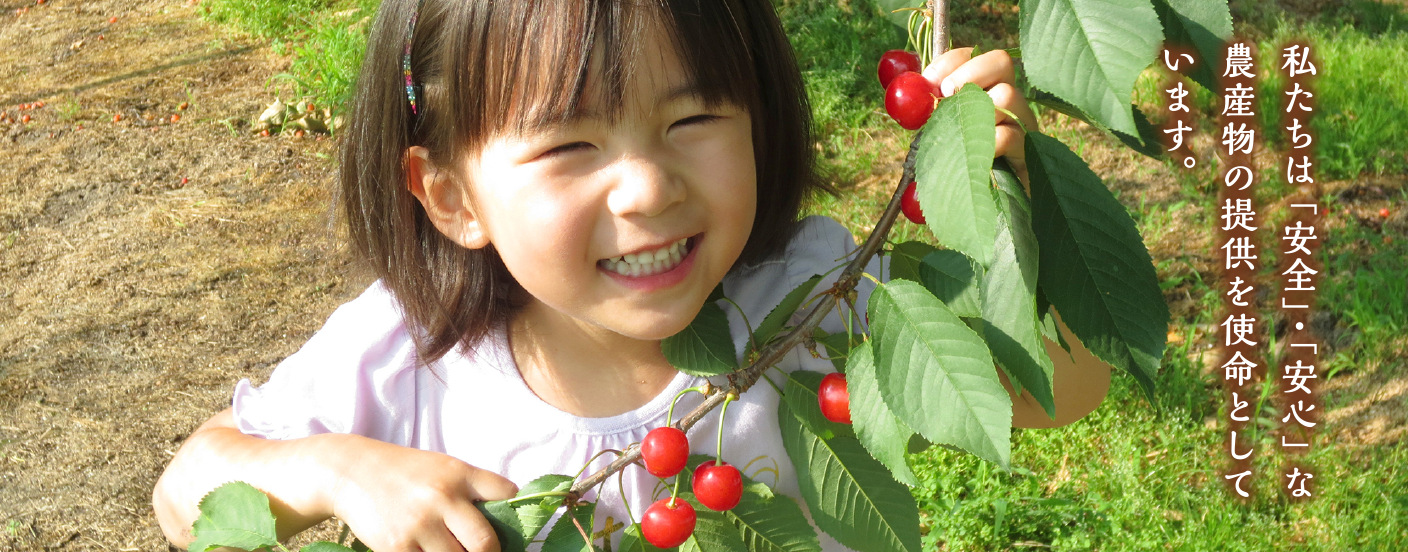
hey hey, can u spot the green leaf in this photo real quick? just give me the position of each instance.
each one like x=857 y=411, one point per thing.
x=955 y=156
x=1146 y=142
x=906 y=258
x=1094 y=267
x=506 y=524
x=1199 y=25
x=851 y=495
x=713 y=531
x=777 y=319
x=770 y=523
x=936 y=374
x=800 y=393
x=837 y=346
x=533 y=515
x=564 y=536
x=1090 y=52
x=632 y=541
x=954 y=279
x=885 y=437
x=1049 y=328
x=1009 y=296
x=704 y=348
x=324 y=546
x=236 y=515
x=900 y=19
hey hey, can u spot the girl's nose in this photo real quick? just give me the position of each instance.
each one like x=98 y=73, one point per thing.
x=644 y=186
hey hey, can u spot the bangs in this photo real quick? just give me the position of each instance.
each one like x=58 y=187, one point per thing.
x=507 y=90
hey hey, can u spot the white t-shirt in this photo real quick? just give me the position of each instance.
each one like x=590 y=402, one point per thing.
x=358 y=375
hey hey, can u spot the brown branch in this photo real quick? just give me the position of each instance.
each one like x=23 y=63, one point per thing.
x=939 y=8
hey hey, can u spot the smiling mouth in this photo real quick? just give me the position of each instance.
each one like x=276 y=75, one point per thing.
x=649 y=263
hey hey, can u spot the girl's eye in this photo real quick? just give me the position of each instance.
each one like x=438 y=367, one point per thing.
x=696 y=119
x=574 y=146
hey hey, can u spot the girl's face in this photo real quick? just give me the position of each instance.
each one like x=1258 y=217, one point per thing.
x=567 y=207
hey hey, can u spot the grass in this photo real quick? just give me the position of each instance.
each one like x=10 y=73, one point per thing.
x=1131 y=476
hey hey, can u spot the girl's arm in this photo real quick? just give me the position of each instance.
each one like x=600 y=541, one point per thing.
x=298 y=475
x=393 y=497
x=1079 y=388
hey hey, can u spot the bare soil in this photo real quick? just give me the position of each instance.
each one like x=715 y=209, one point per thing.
x=147 y=265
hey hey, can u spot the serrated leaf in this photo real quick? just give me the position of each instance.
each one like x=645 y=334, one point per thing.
x=1090 y=52
x=851 y=495
x=1094 y=267
x=236 y=515
x=954 y=279
x=955 y=154
x=906 y=258
x=770 y=523
x=837 y=345
x=885 y=437
x=564 y=535
x=504 y=519
x=632 y=541
x=936 y=374
x=713 y=531
x=324 y=546
x=1146 y=142
x=704 y=348
x=533 y=515
x=1009 y=296
x=1050 y=330
x=1199 y=25
x=800 y=393
x=777 y=319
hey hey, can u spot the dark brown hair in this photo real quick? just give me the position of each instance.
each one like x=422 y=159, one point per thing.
x=481 y=65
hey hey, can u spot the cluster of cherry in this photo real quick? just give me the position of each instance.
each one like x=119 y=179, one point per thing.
x=909 y=99
x=717 y=484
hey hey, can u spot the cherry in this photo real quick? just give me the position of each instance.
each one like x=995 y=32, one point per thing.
x=718 y=485
x=1384 y=212
x=910 y=204
x=835 y=400
x=893 y=63
x=665 y=450
x=665 y=526
x=910 y=99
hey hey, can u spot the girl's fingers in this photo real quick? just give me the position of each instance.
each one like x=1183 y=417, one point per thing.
x=945 y=64
x=487 y=485
x=986 y=71
x=1009 y=142
x=1007 y=97
x=471 y=530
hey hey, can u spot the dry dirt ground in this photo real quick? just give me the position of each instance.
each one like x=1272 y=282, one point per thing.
x=147 y=265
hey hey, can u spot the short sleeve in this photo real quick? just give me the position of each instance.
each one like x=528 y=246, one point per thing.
x=355 y=375
x=822 y=247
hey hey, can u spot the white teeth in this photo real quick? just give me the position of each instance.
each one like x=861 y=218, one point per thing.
x=649 y=262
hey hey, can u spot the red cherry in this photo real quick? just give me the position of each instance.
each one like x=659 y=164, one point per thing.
x=1383 y=212
x=910 y=100
x=667 y=527
x=894 y=62
x=718 y=485
x=835 y=400
x=665 y=450
x=910 y=204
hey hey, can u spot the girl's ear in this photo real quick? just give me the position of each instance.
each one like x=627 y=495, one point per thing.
x=445 y=199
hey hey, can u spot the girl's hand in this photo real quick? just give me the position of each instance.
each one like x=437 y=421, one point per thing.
x=397 y=499
x=993 y=72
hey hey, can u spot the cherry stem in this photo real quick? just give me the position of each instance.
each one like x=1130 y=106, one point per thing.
x=728 y=398
x=670 y=414
x=593 y=459
x=539 y=495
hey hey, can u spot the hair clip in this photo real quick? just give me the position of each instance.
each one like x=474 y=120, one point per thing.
x=406 y=59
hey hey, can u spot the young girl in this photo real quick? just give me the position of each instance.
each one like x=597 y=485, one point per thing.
x=546 y=190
